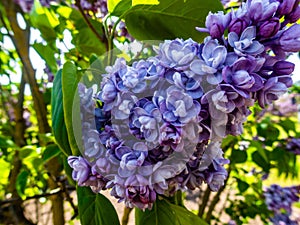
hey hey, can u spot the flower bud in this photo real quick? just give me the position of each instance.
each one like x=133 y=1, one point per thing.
x=294 y=15
x=283 y=67
x=269 y=28
x=290 y=39
x=285 y=7
x=217 y=23
x=238 y=25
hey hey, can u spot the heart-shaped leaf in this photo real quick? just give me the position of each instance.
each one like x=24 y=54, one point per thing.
x=95 y=209
x=170 y=19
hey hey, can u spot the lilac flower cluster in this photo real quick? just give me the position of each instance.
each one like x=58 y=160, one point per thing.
x=279 y=200
x=156 y=126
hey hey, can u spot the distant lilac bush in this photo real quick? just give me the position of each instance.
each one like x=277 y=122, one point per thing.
x=156 y=126
x=279 y=200
x=293 y=146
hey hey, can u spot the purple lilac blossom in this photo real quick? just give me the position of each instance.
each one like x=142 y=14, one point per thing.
x=161 y=120
x=278 y=198
x=282 y=219
x=293 y=146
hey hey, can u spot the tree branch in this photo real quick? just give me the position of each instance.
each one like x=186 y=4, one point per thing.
x=216 y=199
x=204 y=202
x=126 y=214
x=20 y=38
x=44 y=195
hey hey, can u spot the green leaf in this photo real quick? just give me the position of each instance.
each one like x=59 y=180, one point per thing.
x=238 y=156
x=95 y=209
x=26 y=151
x=5 y=168
x=6 y=142
x=58 y=122
x=166 y=213
x=288 y=125
x=242 y=185
x=45 y=20
x=121 y=8
x=111 y=4
x=21 y=182
x=47 y=53
x=70 y=80
x=170 y=19
x=50 y=152
x=260 y=161
x=87 y=42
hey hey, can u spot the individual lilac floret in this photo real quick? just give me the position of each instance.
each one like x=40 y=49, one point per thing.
x=177 y=107
x=261 y=10
x=238 y=25
x=145 y=118
x=294 y=15
x=269 y=28
x=286 y=7
x=81 y=169
x=273 y=89
x=191 y=85
x=285 y=41
x=213 y=57
x=177 y=54
x=135 y=191
x=245 y=44
x=242 y=77
x=293 y=146
x=283 y=68
x=289 y=40
x=216 y=24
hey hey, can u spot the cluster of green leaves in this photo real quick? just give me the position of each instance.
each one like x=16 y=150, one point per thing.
x=259 y=158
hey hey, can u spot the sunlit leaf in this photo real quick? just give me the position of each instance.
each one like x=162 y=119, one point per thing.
x=21 y=182
x=50 y=152
x=145 y=2
x=260 y=161
x=70 y=80
x=111 y=4
x=166 y=213
x=58 y=122
x=45 y=20
x=121 y=7
x=48 y=54
x=170 y=19
x=95 y=209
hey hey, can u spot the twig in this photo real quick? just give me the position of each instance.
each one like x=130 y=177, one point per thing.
x=44 y=195
x=216 y=199
x=101 y=38
x=126 y=214
x=204 y=201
